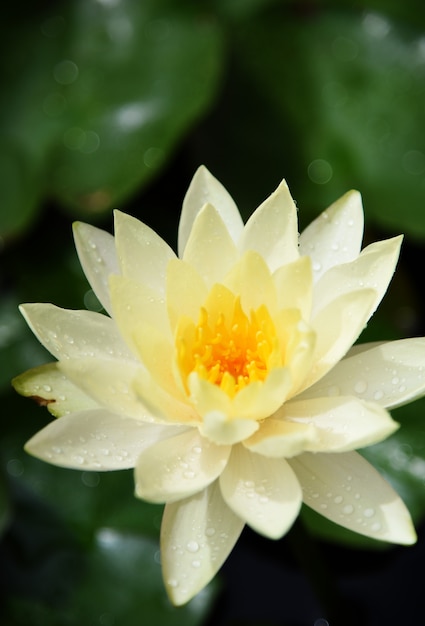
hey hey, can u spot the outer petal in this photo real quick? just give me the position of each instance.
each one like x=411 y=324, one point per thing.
x=48 y=386
x=205 y=189
x=374 y=268
x=210 y=247
x=262 y=491
x=110 y=384
x=72 y=334
x=389 y=374
x=341 y=423
x=98 y=258
x=337 y=326
x=197 y=535
x=95 y=440
x=272 y=230
x=143 y=255
x=335 y=237
x=178 y=467
x=349 y=491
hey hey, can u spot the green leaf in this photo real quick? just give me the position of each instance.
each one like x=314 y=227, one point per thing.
x=99 y=93
x=345 y=88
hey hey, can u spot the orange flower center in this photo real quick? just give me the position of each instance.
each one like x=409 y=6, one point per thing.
x=229 y=351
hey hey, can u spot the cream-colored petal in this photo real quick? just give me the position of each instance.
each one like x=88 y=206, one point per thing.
x=98 y=258
x=337 y=326
x=334 y=237
x=293 y=284
x=264 y=492
x=110 y=383
x=186 y=292
x=272 y=230
x=278 y=438
x=48 y=386
x=135 y=304
x=166 y=407
x=250 y=278
x=94 y=440
x=71 y=334
x=210 y=247
x=205 y=189
x=389 y=374
x=197 y=536
x=373 y=268
x=262 y=398
x=217 y=427
x=341 y=423
x=178 y=467
x=142 y=254
x=157 y=354
x=349 y=491
x=207 y=397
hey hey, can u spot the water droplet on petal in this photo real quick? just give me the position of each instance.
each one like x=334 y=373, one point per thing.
x=192 y=546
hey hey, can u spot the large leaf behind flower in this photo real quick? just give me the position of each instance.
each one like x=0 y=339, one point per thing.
x=95 y=96
x=347 y=94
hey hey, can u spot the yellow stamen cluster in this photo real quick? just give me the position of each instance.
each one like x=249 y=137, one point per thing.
x=230 y=353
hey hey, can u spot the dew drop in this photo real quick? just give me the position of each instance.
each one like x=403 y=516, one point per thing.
x=338 y=499
x=196 y=563
x=47 y=388
x=348 y=509
x=192 y=546
x=378 y=395
x=376 y=527
x=360 y=386
x=210 y=532
x=368 y=512
x=173 y=583
x=317 y=266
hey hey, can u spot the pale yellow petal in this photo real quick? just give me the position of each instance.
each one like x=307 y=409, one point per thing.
x=262 y=398
x=49 y=387
x=143 y=255
x=110 y=383
x=197 y=535
x=71 y=334
x=349 y=491
x=93 y=440
x=135 y=304
x=250 y=278
x=272 y=230
x=264 y=492
x=186 y=292
x=337 y=327
x=223 y=431
x=205 y=189
x=341 y=423
x=279 y=438
x=210 y=248
x=335 y=236
x=373 y=269
x=389 y=374
x=294 y=284
x=178 y=467
x=98 y=258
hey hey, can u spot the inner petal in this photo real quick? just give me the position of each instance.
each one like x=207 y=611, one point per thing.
x=228 y=348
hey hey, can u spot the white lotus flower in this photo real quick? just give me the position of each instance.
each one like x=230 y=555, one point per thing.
x=224 y=376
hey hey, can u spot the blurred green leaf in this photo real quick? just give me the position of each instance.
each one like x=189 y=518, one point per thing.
x=98 y=95
x=348 y=91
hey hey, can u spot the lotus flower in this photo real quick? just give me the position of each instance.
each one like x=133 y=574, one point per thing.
x=225 y=376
